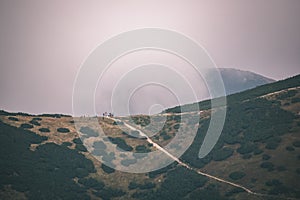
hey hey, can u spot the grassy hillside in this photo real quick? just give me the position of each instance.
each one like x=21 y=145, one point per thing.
x=42 y=157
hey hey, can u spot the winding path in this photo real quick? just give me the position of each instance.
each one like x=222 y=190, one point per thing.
x=197 y=170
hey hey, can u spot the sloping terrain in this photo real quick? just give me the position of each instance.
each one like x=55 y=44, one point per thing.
x=42 y=157
x=238 y=80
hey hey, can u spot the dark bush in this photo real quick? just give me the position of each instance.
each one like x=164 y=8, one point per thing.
x=296 y=143
x=63 y=130
x=237 y=175
x=246 y=148
x=166 y=137
x=274 y=182
x=281 y=168
x=247 y=156
x=26 y=126
x=222 y=154
x=107 y=169
x=88 y=131
x=13 y=119
x=80 y=147
x=91 y=183
x=121 y=143
x=145 y=186
x=142 y=149
x=77 y=141
x=34 y=122
x=44 y=130
x=257 y=151
x=266 y=157
x=37 y=119
x=267 y=165
x=128 y=162
x=66 y=144
x=176 y=126
x=290 y=148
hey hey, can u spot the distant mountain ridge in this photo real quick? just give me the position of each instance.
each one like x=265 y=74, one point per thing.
x=236 y=80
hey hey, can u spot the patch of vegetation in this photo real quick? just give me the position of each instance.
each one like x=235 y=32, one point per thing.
x=154 y=174
x=281 y=168
x=266 y=157
x=108 y=193
x=26 y=126
x=257 y=151
x=47 y=172
x=145 y=186
x=107 y=169
x=273 y=143
x=88 y=131
x=44 y=130
x=91 y=183
x=34 y=122
x=142 y=149
x=37 y=119
x=66 y=144
x=121 y=143
x=63 y=130
x=246 y=148
x=13 y=119
x=80 y=147
x=296 y=143
x=128 y=162
x=290 y=148
x=210 y=192
x=267 y=165
x=178 y=183
x=237 y=175
x=222 y=154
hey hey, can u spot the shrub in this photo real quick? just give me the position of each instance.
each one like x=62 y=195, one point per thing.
x=290 y=148
x=281 y=168
x=237 y=175
x=13 y=119
x=222 y=154
x=274 y=182
x=44 y=130
x=247 y=156
x=257 y=151
x=66 y=144
x=37 y=119
x=121 y=143
x=266 y=157
x=128 y=162
x=166 y=137
x=246 y=148
x=63 y=130
x=80 y=147
x=26 y=126
x=107 y=169
x=296 y=143
x=267 y=165
x=88 y=131
x=141 y=149
x=176 y=126
x=34 y=122
x=91 y=183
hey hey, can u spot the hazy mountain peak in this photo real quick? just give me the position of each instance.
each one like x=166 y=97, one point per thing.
x=236 y=80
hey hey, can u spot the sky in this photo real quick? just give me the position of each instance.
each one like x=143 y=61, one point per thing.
x=44 y=43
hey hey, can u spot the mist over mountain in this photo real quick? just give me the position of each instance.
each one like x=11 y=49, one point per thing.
x=236 y=80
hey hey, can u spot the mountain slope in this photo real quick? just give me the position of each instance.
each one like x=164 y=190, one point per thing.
x=259 y=148
x=238 y=80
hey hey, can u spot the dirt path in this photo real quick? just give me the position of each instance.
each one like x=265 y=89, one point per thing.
x=197 y=170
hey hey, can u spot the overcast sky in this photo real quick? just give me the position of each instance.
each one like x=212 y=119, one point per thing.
x=43 y=43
